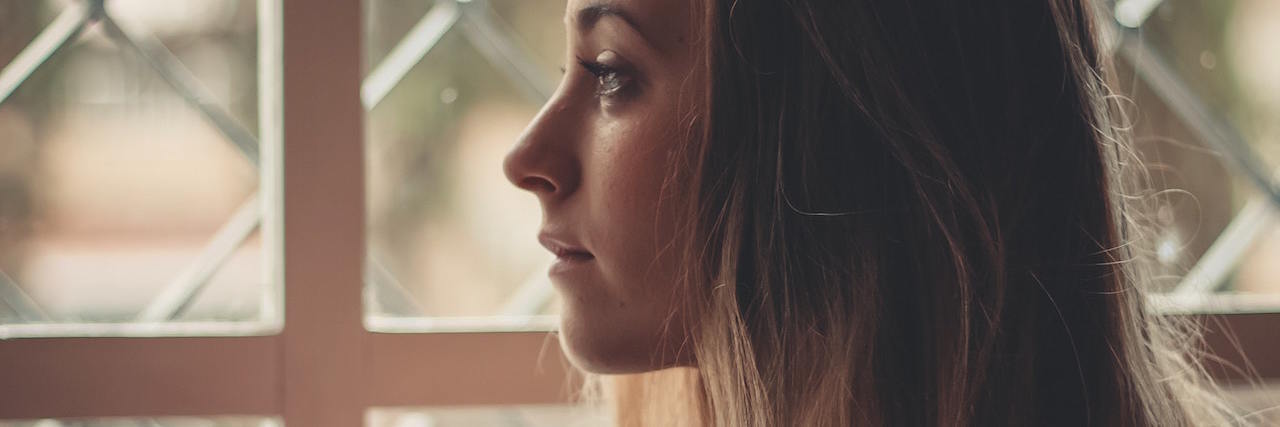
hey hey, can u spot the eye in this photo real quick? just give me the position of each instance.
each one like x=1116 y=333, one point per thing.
x=611 y=80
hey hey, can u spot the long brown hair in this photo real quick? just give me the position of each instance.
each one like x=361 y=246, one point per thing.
x=916 y=212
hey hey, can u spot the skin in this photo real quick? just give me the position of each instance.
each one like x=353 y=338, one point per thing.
x=597 y=157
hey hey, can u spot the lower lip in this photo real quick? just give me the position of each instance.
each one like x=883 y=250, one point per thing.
x=569 y=263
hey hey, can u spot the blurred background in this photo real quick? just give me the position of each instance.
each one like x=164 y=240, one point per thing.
x=129 y=169
x=1223 y=54
x=447 y=235
x=111 y=185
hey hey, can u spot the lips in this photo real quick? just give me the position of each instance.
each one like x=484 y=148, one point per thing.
x=563 y=250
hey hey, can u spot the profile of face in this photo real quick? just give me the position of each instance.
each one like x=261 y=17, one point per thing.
x=597 y=156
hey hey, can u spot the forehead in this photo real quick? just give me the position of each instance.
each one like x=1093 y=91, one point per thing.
x=661 y=21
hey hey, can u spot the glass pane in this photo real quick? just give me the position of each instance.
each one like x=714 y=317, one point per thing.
x=129 y=166
x=509 y=416
x=221 y=421
x=449 y=239
x=1225 y=53
x=1220 y=233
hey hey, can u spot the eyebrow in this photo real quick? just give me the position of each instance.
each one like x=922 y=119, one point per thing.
x=590 y=14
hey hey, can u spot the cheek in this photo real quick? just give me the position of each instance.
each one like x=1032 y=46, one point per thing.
x=618 y=326
x=635 y=216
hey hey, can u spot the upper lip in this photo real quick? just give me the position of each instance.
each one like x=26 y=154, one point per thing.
x=562 y=248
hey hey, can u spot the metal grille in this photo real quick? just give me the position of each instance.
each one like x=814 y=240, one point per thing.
x=1211 y=271
x=182 y=290
x=390 y=306
x=475 y=19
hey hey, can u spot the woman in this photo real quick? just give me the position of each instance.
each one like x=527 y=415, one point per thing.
x=862 y=212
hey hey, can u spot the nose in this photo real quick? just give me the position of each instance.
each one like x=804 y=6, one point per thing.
x=544 y=160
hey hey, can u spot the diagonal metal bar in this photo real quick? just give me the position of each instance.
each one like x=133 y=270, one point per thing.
x=187 y=86
x=183 y=290
x=53 y=38
x=21 y=303
x=1171 y=89
x=492 y=37
x=531 y=296
x=179 y=293
x=1213 y=268
x=186 y=287
x=395 y=299
x=385 y=294
x=408 y=52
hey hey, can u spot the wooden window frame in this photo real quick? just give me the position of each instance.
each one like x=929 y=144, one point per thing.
x=323 y=368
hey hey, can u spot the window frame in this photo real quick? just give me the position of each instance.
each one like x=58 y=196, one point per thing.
x=324 y=368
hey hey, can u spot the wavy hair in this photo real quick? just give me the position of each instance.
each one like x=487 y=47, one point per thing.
x=915 y=212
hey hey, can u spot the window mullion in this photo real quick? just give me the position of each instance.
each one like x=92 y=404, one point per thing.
x=323 y=337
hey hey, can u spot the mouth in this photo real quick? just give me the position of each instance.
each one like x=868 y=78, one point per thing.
x=564 y=251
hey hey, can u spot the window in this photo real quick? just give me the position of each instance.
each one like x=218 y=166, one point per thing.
x=133 y=191
x=338 y=276
x=1203 y=113
x=448 y=87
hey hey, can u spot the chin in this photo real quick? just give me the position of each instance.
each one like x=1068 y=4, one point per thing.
x=599 y=351
x=594 y=347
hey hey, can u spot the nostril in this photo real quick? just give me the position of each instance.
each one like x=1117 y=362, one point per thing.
x=537 y=185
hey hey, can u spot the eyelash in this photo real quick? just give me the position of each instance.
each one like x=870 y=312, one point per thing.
x=611 y=81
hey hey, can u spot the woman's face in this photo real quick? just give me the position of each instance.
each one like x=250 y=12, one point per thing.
x=597 y=156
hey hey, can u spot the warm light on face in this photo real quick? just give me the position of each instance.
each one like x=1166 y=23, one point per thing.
x=597 y=157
